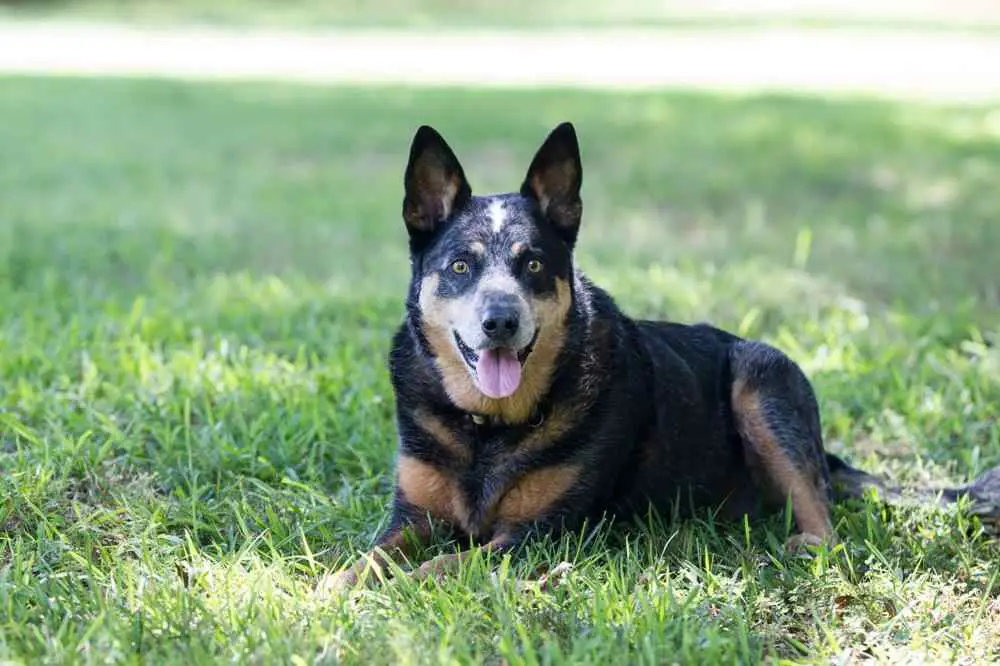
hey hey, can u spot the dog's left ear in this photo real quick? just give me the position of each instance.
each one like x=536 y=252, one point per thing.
x=554 y=180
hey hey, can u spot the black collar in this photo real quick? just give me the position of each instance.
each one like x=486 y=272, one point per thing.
x=482 y=420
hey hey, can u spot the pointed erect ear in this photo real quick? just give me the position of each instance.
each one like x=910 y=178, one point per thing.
x=435 y=183
x=554 y=179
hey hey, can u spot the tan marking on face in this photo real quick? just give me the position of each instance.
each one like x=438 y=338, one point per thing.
x=442 y=434
x=517 y=248
x=778 y=469
x=477 y=248
x=536 y=493
x=437 y=314
x=432 y=490
x=550 y=317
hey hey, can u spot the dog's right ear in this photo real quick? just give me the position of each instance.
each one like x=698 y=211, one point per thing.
x=435 y=184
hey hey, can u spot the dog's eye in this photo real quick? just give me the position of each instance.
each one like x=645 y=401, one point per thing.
x=534 y=266
x=460 y=267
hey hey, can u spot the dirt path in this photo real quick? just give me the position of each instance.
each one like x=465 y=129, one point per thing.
x=941 y=66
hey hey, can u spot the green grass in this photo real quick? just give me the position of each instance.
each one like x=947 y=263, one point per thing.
x=197 y=289
x=521 y=14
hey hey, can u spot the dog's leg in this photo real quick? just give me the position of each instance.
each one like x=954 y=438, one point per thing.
x=422 y=490
x=534 y=505
x=404 y=536
x=775 y=411
x=443 y=565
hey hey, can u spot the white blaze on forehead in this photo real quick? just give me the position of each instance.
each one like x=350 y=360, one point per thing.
x=498 y=215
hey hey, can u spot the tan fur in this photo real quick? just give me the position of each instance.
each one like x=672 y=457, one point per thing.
x=391 y=548
x=477 y=248
x=541 y=193
x=443 y=435
x=444 y=564
x=536 y=492
x=435 y=491
x=550 y=314
x=432 y=490
x=808 y=506
x=517 y=248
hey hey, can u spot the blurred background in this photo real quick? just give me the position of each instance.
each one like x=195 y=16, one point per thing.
x=551 y=13
x=851 y=139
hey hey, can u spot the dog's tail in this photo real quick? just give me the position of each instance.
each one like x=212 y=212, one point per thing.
x=983 y=493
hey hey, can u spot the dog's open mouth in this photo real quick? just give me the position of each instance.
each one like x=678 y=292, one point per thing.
x=497 y=370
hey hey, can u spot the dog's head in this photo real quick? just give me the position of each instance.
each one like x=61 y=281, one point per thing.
x=493 y=274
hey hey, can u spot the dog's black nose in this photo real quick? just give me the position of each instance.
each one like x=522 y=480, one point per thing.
x=500 y=323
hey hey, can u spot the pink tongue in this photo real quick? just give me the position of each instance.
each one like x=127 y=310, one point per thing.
x=498 y=372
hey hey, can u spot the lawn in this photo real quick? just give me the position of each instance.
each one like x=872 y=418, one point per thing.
x=198 y=284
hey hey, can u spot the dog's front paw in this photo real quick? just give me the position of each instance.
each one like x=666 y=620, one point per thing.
x=336 y=584
x=552 y=579
x=341 y=582
x=802 y=544
x=439 y=567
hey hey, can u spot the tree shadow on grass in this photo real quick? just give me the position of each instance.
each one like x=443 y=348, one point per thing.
x=894 y=201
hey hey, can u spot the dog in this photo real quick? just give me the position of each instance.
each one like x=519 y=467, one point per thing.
x=528 y=403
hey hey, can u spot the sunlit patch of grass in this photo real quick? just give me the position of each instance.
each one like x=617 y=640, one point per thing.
x=198 y=286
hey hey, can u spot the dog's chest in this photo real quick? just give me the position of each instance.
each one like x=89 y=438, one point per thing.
x=488 y=483
x=485 y=479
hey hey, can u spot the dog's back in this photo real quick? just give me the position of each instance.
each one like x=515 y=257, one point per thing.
x=688 y=452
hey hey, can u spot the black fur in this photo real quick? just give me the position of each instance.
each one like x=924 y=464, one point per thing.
x=655 y=422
